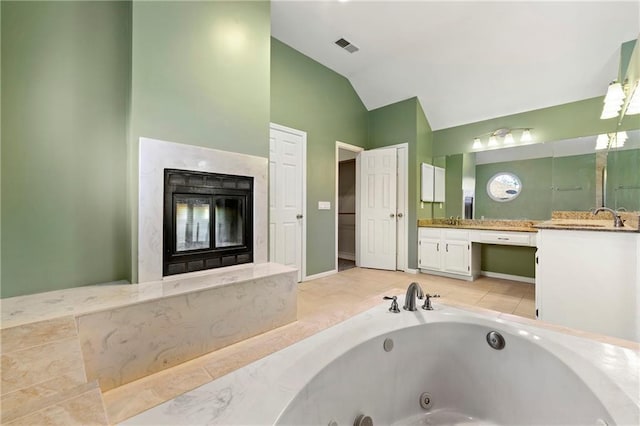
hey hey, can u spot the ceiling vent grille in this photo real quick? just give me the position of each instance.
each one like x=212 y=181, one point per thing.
x=346 y=45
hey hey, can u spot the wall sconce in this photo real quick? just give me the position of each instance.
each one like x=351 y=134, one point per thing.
x=611 y=140
x=614 y=100
x=506 y=134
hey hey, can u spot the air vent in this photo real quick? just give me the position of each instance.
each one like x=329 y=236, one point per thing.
x=346 y=45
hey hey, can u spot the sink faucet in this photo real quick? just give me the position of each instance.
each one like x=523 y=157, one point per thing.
x=617 y=221
x=413 y=291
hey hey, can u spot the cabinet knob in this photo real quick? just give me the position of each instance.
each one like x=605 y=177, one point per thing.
x=400 y=215
x=298 y=216
x=392 y=215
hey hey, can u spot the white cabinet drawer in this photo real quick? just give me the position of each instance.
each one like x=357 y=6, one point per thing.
x=454 y=234
x=505 y=238
x=429 y=233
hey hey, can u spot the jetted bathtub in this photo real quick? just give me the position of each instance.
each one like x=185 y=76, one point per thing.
x=422 y=368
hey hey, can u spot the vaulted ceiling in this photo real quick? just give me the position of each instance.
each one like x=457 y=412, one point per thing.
x=465 y=61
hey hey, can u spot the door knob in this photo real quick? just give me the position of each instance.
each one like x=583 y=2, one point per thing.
x=400 y=214
x=392 y=215
x=298 y=216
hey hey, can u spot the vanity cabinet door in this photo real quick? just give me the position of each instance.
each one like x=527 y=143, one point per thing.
x=429 y=253
x=456 y=257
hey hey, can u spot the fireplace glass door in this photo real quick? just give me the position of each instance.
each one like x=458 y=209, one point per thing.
x=192 y=223
x=229 y=220
x=208 y=221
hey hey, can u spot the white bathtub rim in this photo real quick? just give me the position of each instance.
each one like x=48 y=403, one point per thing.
x=269 y=385
x=606 y=389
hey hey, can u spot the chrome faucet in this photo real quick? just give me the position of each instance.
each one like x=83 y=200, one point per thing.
x=617 y=221
x=413 y=291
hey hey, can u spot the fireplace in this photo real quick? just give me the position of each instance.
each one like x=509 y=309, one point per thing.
x=208 y=221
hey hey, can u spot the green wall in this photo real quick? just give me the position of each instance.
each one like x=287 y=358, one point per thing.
x=510 y=260
x=573 y=183
x=623 y=179
x=65 y=71
x=82 y=82
x=453 y=185
x=308 y=96
x=424 y=154
x=405 y=122
x=200 y=76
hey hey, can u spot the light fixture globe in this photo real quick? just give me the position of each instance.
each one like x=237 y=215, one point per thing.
x=508 y=139
x=526 y=136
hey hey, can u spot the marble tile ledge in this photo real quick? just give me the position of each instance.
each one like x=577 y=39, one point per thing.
x=26 y=309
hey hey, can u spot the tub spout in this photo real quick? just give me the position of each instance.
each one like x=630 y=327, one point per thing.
x=413 y=291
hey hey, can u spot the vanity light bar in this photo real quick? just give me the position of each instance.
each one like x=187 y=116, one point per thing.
x=614 y=100
x=506 y=134
x=633 y=107
x=611 y=140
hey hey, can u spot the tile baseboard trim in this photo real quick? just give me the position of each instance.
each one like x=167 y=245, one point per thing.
x=508 y=277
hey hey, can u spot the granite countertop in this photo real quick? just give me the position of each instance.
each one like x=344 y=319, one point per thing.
x=482 y=224
x=587 y=221
x=585 y=225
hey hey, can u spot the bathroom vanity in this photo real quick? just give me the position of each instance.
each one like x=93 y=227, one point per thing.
x=588 y=276
x=454 y=249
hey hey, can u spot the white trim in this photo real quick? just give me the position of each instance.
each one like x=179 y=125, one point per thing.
x=303 y=135
x=508 y=277
x=352 y=148
x=347 y=256
x=411 y=271
x=447 y=274
x=321 y=275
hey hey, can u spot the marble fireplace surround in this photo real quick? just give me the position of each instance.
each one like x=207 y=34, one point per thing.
x=155 y=156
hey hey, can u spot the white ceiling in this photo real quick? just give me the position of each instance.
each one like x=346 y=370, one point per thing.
x=465 y=61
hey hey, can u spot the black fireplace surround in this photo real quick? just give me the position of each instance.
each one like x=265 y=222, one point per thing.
x=208 y=221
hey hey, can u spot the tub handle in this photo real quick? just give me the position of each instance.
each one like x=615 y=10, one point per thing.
x=394 y=304
x=427 y=301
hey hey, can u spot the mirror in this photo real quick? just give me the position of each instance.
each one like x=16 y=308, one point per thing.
x=561 y=175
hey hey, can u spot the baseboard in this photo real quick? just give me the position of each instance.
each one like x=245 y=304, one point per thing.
x=348 y=256
x=448 y=275
x=320 y=275
x=508 y=277
x=411 y=271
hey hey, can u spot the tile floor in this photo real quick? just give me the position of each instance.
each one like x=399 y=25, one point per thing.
x=321 y=304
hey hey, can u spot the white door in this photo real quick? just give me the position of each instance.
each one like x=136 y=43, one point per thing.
x=286 y=196
x=378 y=208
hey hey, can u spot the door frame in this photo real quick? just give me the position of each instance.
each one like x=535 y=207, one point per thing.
x=356 y=149
x=303 y=135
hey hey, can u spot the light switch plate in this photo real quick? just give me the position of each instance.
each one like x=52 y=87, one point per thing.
x=324 y=205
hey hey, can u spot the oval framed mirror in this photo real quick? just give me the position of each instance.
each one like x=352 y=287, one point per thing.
x=504 y=186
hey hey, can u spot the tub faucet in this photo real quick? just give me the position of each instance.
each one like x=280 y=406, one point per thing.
x=617 y=221
x=413 y=291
